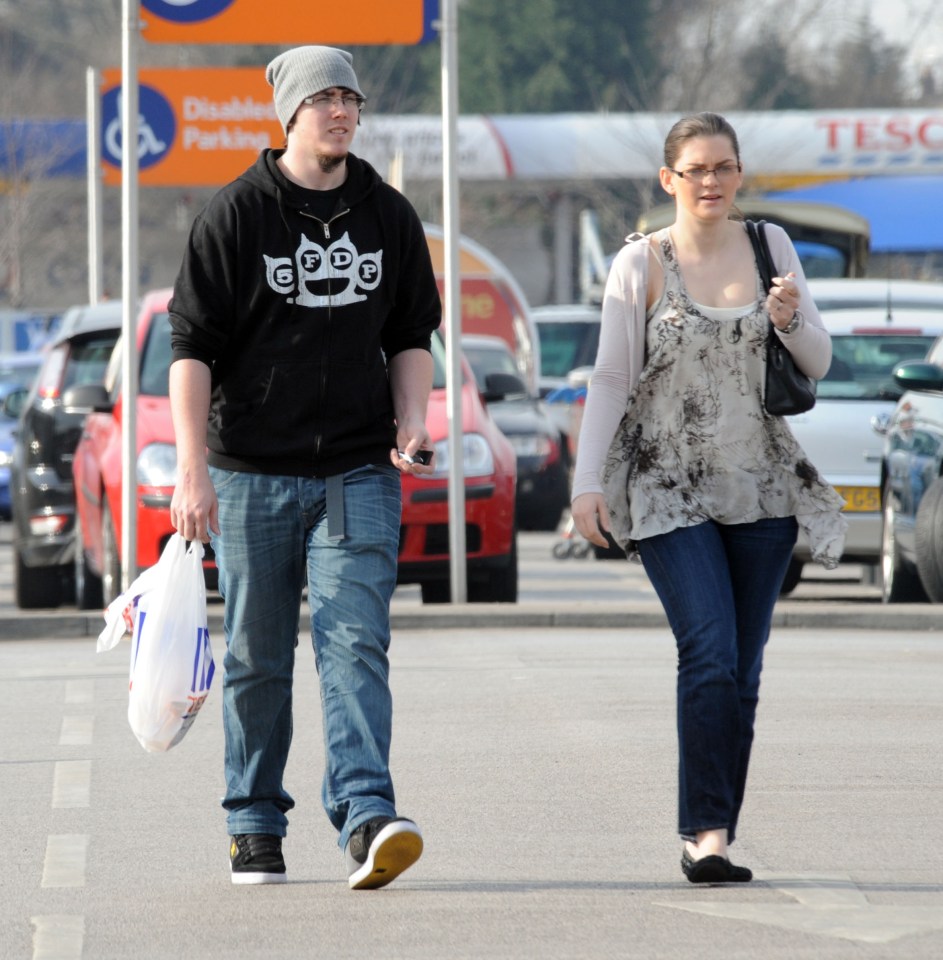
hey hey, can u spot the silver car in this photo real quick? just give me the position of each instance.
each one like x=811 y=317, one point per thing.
x=843 y=434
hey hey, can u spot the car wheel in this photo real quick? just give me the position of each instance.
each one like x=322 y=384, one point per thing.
x=544 y=521
x=929 y=541
x=436 y=591
x=900 y=582
x=500 y=584
x=545 y=515
x=111 y=558
x=36 y=587
x=793 y=576
x=88 y=586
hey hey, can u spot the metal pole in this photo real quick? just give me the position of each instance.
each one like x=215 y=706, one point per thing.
x=96 y=257
x=129 y=288
x=453 y=314
x=563 y=249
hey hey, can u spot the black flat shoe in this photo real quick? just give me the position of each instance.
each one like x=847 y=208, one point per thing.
x=713 y=869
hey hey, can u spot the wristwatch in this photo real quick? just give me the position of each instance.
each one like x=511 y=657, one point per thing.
x=793 y=324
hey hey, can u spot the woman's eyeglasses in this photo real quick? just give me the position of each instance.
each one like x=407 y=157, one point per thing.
x=726 y=171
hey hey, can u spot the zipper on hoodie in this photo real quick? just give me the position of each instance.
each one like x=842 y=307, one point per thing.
x=322 y=392
x=325 y=224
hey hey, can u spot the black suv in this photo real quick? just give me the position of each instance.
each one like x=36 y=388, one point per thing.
x=41 y=486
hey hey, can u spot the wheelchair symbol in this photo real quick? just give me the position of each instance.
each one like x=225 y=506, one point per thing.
x=156 y=127
x=187 y=11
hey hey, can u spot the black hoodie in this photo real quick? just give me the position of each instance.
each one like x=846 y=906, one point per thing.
x=296 y=317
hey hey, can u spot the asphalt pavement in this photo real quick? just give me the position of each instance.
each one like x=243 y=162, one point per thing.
x=540 y=765
x=535 y=745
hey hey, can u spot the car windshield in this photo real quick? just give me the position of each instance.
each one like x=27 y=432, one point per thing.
x=88 y=361
x=155 y=358
x=848 y=301
x=487 y=360
x=821 y=260
x=566 y=346
x=862 y=365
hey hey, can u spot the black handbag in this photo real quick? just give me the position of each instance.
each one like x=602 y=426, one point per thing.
x=787 y=389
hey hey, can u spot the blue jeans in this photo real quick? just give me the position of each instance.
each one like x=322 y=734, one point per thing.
x=273 y=532
x=718 y=584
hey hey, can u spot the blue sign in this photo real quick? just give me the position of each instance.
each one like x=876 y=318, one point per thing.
x=157 y=126
x=430 y=16
x=187 y=11
x=35 y=149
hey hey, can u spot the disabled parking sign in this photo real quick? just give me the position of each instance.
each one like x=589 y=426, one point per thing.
x=196 y=127
x=157 y=126
x=287 y=22
x=186 y=11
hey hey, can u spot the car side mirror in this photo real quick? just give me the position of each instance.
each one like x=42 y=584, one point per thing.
x=87 y=398
x=13 y=403
x=919 y=375
x=501 y=385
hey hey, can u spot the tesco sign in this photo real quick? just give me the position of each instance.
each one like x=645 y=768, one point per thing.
x=893 y=133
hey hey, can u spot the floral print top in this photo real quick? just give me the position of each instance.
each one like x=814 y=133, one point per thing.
x=695 y=442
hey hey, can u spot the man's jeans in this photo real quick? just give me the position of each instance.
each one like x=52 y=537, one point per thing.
x=274 y=530
x=718 y=585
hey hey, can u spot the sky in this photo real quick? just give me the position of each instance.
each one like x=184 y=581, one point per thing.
x=915 y=24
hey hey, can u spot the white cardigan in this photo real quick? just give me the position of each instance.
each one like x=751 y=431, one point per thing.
x=622 y=347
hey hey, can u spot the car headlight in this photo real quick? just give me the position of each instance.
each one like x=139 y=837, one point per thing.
x=6 y=458
x=477 y=458
x=157 y=465
x=531 y=444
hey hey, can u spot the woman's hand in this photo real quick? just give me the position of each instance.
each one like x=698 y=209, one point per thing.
x=783 y=301
x=591 y=517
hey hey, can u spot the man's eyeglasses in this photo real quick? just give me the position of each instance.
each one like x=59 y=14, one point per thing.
x=321 y=101
x=726 y=171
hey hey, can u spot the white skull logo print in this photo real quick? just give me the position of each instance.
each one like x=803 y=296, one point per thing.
x=322 y=277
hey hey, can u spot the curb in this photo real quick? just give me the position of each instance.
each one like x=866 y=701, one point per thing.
x=788 y=614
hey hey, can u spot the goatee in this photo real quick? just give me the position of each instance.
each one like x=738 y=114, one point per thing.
x=329 y=164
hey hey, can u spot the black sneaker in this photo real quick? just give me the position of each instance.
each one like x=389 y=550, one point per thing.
x=257 y=858
x=380 y=850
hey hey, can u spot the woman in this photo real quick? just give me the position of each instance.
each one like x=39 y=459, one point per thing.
x=681 y=463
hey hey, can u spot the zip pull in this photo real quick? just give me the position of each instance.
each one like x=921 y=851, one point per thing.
x=337 y=216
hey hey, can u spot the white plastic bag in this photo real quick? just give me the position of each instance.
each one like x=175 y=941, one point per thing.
x=171 y=657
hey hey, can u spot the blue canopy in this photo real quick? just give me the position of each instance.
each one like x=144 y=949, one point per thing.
x=36 y=149
x=905 y=213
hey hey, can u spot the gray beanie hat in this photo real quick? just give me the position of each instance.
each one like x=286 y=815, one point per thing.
x=304 y=71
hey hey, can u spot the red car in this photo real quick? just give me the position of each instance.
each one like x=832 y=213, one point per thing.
x=490 y=469
x=97 y=464
x=490 y=472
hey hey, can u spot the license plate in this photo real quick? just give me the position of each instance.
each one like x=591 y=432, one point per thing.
x=861 y=499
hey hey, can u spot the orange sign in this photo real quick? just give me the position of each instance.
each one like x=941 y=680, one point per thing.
x=196 y=128
x=285 y=21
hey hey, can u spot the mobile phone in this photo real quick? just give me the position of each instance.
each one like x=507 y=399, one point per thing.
x=420 y=456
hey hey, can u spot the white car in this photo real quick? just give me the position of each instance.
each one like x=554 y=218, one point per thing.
x=835 y=294
x=843 y=433
x=569 y=338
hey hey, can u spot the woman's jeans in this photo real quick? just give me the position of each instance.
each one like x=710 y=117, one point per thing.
x=718 y=585
x=274 y=532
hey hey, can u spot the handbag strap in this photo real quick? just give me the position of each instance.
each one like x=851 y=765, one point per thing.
x=764 y=261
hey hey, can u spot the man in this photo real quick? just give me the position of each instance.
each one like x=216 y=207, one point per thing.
x=302 y=318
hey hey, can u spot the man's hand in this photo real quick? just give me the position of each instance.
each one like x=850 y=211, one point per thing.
x=411 y=437
x=194 y=510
